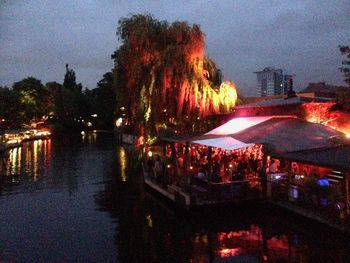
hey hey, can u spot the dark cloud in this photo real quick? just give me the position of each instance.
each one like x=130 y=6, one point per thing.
x=39 y=37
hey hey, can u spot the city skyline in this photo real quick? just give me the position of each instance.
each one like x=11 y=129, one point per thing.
x=40 y=37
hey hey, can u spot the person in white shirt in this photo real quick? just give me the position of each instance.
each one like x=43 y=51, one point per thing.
x=273 y=168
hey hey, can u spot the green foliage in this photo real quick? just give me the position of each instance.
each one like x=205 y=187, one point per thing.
x=214 y=74
x=70 y=101
x=102 y=101
x=66 y=105
x=34 y=99
x=161 y=74
x=69 y=81
x=9 y=106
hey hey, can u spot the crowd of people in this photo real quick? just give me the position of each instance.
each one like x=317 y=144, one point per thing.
x=215 y=166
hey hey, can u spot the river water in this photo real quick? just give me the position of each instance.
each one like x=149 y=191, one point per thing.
x=81 y=199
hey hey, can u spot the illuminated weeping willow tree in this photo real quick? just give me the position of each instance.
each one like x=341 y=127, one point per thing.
x=163 y=78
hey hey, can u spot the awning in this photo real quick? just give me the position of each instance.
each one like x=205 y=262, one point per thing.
x=290 y=135
x=240 y=124
x=226 y=143
x=337 y=157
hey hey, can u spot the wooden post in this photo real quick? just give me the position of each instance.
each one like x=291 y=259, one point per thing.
x=164 y=150
x=187 y=167
x=210 y=164
x=187 y=159
x=173 y=157
x=266 y=182
x=289 y=171
x=346 y=193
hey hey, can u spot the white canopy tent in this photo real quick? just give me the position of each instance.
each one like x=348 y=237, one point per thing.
x=233 y=126
x=226 y=143
x=239 y=124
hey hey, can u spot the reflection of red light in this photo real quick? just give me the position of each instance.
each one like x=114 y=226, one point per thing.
x=49 y=145
x=228 y=252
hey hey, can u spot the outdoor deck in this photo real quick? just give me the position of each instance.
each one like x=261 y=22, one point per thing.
x=201 y=193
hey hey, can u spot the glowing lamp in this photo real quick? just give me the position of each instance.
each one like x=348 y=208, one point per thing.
x=43 y=133
x=348 y=135
x=191 y=167
x=150 y=154
x=229 y=252
x=323 y=182
x=118 y=122
x=13 y=141
x=168 y=166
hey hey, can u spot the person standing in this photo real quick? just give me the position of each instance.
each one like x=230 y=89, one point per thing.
x=263 y=179
x=158 y=169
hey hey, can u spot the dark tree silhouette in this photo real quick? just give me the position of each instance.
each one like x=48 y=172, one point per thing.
x=345 y=50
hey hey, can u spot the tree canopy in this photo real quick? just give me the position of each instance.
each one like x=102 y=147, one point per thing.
x=34 y=99
x=65 y=106
x=162 y=76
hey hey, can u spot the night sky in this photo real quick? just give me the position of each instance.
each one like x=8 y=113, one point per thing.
x=37 y=37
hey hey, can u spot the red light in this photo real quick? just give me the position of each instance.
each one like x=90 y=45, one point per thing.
x=229 y=252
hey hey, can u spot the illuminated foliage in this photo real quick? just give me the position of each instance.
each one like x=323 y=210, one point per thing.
x=33 y=99
x=322 y=113
x=162 y=75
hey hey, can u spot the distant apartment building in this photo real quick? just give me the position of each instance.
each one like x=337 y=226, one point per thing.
x=272 y=82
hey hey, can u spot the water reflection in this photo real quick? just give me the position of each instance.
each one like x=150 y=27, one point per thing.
x=123 y=163
x=27 y=159
x=86 y=199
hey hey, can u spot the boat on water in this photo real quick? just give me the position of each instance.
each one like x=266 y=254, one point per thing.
x=14 y=138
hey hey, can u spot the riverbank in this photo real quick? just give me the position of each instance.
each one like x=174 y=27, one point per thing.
x=15 y=138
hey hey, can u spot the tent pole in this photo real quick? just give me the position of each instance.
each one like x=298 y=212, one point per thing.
x=267 y=181
x=346 y=193
x=164 y=149
x=187 y=159
x=289 y=175
x=210 y=163
x=174 y=157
